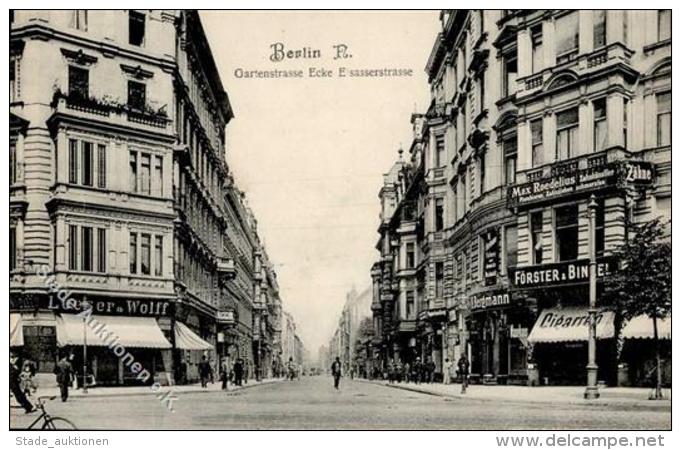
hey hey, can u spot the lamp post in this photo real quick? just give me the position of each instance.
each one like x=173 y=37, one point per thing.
x=591 y=391
x=86 y=305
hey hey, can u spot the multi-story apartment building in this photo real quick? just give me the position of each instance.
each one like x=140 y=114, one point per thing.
x=532 y=113
x=357 y=306
x=119 y=194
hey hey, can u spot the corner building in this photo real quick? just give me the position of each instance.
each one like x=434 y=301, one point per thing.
x=532 y=113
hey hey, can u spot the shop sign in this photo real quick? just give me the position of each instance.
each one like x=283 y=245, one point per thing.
x=225 y=316
x=488 y=300
x=113 y=307
x=637 y=173
x=570 y=272
x=491 y=256
x=519 y=333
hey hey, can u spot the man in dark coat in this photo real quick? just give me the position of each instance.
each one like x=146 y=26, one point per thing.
x=14 y=385
x=238 y=372
x=205 y=371
x=463 y=367
x=336 y=372
x=64 y=373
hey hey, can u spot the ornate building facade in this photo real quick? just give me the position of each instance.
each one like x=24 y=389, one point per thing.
x=484 y=229
x=121 y=198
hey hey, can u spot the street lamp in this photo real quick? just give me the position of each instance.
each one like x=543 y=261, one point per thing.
x=86 y=305
x=591 y=391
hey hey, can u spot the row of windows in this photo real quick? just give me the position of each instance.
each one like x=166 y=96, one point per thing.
x=87 y=248
x=136 y=25
x=87 y=166
x=79 y=88
x=141 y=247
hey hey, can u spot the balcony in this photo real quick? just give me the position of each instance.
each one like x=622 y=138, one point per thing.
x=226 y=316
x=226 y=268
x=610 y=56
x=111 y=113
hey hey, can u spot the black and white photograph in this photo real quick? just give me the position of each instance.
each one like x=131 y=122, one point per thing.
x=438 y=219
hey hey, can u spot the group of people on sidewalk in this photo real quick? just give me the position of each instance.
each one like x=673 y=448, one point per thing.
x=228 y=371
x=420 y=372
x=22 y=382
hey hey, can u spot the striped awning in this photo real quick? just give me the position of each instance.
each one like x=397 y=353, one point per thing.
x=571 y=325
x=186 y=339
x=16 y=330
x=641 y=327
x=104 y=331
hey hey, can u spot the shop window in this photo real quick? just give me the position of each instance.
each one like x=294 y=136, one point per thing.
x=40 y=345
x=567 y=125
x=664 y=118
x=536 y=225
x=510 y=149
x=600 y=125
x=664 y=24
x=439 y=214
x=537 y=48
x=567 y=37
x=511 y=244
x=137 y=95
x=566 y=232
x=411 y=256
x=136 y=29
x=439 y=280
x=79 y=19
x=79 y=83
x=537 y=129
x=599 y=22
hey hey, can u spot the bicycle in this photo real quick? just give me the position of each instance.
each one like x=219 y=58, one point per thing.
x=49 y=422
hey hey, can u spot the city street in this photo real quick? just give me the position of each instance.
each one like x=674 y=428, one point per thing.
x=312 y=403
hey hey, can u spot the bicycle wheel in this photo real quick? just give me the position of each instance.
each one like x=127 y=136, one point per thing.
x=59 y=423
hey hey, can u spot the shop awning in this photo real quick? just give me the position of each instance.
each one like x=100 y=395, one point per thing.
x=16 y=330
x=186 y=339
x=570 y=325
x=101 y=331
x=641 y=327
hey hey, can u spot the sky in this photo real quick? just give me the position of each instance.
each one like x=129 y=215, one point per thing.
x=311 y=152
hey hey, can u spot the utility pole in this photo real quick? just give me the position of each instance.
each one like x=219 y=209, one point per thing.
x=591 y=391
x=86 y=305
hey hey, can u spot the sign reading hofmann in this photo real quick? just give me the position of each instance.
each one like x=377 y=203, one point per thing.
x=557 y=274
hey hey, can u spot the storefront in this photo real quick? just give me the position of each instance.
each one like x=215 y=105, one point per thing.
x=559 y=345
x=638 y=360
x=497 y=326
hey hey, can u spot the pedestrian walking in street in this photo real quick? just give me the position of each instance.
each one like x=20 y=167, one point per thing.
x=416 y=371
x=205 y=371
x=27 y=382
x=238 y=372
x=463 y=367
x=15 y=386
x=407 y=372
x=430 y=370
x=64 y=373
x=224 y=372
x=336 y=372
x=447 y=372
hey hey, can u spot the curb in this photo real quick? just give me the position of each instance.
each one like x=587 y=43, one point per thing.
x=666 y=404
x=198 y=390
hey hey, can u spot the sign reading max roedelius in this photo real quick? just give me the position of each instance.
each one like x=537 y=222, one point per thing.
x=559 y=273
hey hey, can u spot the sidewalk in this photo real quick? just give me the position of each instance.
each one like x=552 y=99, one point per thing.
x=567 y=395
x=123 y=391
